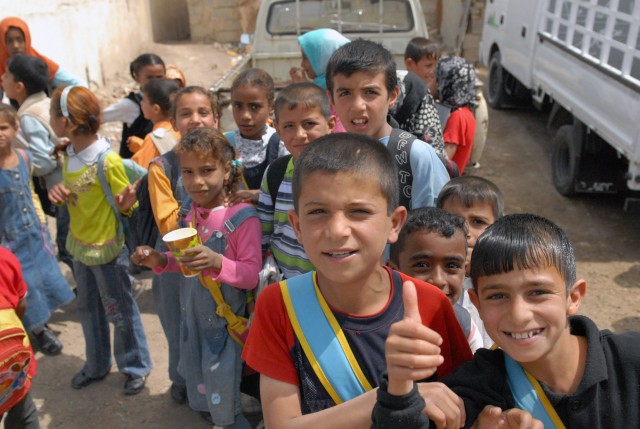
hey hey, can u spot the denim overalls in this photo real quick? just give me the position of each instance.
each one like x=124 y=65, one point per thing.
x=210 y=359
x=22 y=233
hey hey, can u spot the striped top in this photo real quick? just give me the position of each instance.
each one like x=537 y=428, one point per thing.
x=277 y=234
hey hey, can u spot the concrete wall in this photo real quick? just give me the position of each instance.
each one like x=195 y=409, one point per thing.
x=169 y=20
x=93 y=39
x=211 y=20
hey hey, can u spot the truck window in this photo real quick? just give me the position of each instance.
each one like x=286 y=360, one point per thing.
x=352 y=16
x=598 y=33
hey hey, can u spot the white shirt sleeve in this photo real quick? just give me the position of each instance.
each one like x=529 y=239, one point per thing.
x=124 y=110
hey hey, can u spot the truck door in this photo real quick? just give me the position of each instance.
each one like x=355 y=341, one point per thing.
x=519 y=32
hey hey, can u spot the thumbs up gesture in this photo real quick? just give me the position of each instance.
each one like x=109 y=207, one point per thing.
x=412 y=350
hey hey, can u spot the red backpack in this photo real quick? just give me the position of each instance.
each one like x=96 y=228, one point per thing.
x=17 y=364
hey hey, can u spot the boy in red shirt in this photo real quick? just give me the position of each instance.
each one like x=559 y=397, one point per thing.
x=345 y=195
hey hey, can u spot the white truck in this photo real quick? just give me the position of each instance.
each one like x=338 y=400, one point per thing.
x=582 y=57
x=275 y=45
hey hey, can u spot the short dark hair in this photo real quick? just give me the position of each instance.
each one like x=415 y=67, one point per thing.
x=255 y=77
x=349 y=152
x=306 y=94
x=194 y=89
x=523 y=241
x=160 y=92
x=470 y=190
x=428 y=219
x=31 y=71
x=362 y=56
x=421 y=47
x=142 y=61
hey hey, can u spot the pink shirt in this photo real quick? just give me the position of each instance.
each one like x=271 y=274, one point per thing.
x=242 y=260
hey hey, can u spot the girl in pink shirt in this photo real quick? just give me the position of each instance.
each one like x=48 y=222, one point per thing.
x=231 y=254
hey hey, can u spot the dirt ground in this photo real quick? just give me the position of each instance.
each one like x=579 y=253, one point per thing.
x=516 y=158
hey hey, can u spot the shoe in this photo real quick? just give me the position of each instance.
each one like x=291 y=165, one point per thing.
x=81 y=379
x=179 y=393
x=133 y=386
x=206 y=416
x=48 y=343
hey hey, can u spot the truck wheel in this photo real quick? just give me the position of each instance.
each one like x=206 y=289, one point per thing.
x=496 y=92
x=565 y=160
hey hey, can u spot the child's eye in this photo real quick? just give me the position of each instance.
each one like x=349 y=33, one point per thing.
x=237 y=105
x=539 y=292
x=287 y=126
x=496 y=296
x=343 y=93
x=186 y=171
x=315 y=211
x=204 y=112
x=480 y=222
x=421 y=265
x=309 y=124
x=255 y=107
x=453 y=266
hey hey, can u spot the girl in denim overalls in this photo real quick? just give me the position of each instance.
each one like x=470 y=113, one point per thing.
x=23 y=234
x=231 y=253
x=100 y=258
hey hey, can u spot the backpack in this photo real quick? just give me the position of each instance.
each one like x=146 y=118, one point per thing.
x=275 y=175
x=399 y=145
x=16 y=358
x=253 y=175
x=134 y=172
x=144 y=230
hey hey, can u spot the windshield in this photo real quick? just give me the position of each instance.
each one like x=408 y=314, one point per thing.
x=346 y=16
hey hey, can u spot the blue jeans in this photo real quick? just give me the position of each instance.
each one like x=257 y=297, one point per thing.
x=105 y=295
x=166 y=295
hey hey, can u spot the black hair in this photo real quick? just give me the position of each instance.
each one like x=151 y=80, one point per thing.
x=144 y=60
x=307 y=94
x=420 y=47
x=362 y=56
x=523 y=241
x=31 y=71
x=471 y=190
x=352 y=153
x=160 y=92
x=429 y=219
x=258 y=78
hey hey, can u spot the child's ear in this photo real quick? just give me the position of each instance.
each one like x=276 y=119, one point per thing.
x=409 y=63
x=172 y=120
x=393 y=96
x=473 y=296
x=156 y=109
x=294 y=220
x=20 y=87
x=398 y=217
x=575 y=296
x=331 y=122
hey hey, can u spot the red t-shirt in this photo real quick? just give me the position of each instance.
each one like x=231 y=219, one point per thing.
x=12 y=285
x=273 y=350
x=460 y=130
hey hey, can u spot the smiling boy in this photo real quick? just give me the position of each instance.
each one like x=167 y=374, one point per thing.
x=302 y=114
x=345 y=196
x=362 y=83
x=525 y=288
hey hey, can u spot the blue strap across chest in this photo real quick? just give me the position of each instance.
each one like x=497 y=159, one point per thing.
x=323 y=342
x=530 y=396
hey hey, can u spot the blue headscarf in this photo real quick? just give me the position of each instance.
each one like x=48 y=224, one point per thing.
x=318 y=45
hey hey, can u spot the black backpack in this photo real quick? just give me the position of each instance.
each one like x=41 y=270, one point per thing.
x=275 y=175
x=142 y=223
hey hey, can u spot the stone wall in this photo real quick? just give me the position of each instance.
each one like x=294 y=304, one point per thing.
x=92 y=39
x=214 y=20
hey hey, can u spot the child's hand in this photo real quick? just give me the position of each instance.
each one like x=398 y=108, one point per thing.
x=493 y=417
x=146 y=256
x=59 y=194
x=127 y=198
x=134 y=143
x=443 y=407
x=242 y=196
x=412 y=350
x=200 y=258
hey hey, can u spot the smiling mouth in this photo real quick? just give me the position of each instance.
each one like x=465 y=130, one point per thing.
x=359 y=122
x=343 y=254
x=524 y=335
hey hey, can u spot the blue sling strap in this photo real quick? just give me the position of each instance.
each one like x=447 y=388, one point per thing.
x=322 y=339
x=529 y=395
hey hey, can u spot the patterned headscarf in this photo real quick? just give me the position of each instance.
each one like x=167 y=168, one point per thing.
x=318 y=46
x=456 y=80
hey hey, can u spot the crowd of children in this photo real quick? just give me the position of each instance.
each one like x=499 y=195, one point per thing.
x=393 y=273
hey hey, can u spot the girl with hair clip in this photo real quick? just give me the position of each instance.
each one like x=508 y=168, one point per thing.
x=230 y=254
x=144 y=68
x=100 y=257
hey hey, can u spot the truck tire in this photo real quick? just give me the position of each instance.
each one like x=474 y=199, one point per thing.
x=565 y=161
x=496 y=92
